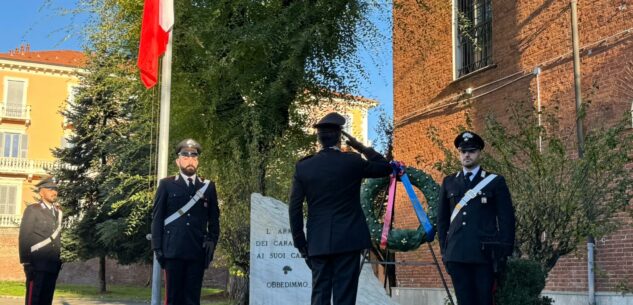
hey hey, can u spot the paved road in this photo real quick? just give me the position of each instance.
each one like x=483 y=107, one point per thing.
x=64 y=301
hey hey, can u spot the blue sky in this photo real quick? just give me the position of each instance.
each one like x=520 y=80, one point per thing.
x=51 y=25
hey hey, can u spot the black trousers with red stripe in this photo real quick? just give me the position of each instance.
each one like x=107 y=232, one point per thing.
x=40 y=287
x=183 y=281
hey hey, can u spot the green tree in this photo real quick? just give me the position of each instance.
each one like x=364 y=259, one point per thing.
x=241 y=70
x=107 y=182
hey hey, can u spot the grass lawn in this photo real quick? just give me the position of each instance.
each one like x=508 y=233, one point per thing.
x=210 y=296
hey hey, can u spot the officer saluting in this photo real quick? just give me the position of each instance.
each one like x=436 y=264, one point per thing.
x=185 y=227
x=330 y=183
x=40 y=243
x=475 y=224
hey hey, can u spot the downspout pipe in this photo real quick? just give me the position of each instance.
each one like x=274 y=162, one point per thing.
x=591 y=278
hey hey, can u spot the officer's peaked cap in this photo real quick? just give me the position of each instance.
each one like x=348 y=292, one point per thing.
x=331 y=120
x=189 y=144
x=48 y=183
x=469 y=140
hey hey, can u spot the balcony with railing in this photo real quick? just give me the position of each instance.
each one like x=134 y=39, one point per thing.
x=10 y=221
x=26 y=166
x=15 y=112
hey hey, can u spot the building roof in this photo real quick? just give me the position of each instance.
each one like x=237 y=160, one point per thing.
x=66 y=58
x=360 y=100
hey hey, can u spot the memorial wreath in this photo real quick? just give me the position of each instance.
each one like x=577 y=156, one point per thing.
x=373 y=195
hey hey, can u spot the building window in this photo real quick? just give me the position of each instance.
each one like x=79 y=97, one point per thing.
x=348 y=123
x=8 y=199
x=15 y=92
x=473 y=45
x=14 y=145
x=14 y=97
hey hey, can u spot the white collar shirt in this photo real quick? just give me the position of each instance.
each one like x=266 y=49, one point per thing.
x=193 y=178
x=475 y=171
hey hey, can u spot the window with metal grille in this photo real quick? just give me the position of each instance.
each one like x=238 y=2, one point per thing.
x=474 y=35
x=8 y=199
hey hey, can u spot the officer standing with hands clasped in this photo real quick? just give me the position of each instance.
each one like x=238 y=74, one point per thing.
x=40 y=244
x=185 y=227
x=330 y=183
x=476 y=224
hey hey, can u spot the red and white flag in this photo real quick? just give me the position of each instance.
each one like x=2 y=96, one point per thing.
x=158 y=20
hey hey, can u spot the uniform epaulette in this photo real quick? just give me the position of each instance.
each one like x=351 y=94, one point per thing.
x=306 y=158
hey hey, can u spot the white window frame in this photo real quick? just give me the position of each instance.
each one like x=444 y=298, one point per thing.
x=18 y=130
x=457 y=59
x=349 y=123
x=19 y=183
x=71 y=90
x=6 y=89
x=456 y=44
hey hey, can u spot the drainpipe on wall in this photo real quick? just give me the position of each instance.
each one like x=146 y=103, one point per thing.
x=591 y=292
x=591 y=289
x=537 y=72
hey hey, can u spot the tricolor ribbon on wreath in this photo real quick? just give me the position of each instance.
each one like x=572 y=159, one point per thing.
x=400 y=174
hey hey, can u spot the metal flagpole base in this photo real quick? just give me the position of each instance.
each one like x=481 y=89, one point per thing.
x=156 y=279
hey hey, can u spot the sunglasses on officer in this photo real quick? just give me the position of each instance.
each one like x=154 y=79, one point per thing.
x=189 y=154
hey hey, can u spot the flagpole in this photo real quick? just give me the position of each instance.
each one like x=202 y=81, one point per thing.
x=163 y=149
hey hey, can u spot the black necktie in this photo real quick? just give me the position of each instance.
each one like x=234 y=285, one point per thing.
x=191 y=186
x=467 y=178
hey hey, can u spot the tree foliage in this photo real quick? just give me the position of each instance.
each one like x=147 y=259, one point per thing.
x=107 y=180
x=559 y=199
x=241 y=71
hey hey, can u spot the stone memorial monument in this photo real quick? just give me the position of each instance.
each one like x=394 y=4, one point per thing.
x=278 y=274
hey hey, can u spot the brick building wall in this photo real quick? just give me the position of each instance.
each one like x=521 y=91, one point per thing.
x=86 y=272
x=526 y=34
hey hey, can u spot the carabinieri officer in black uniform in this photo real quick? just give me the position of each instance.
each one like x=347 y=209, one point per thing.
x=40 y=243
x=185 y=227
x=475 y=224
x=337 y=231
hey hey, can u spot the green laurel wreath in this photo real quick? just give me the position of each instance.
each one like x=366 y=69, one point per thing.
x=374 y=197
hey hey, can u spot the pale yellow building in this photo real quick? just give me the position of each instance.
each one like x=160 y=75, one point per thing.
x=34 y=87
x=355 y=110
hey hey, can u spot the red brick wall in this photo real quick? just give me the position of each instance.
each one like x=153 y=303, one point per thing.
x=526 y=34
x=87 y=272
x=10 y=268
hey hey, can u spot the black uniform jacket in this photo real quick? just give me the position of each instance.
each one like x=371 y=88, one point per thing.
x=330 y=183
x=489 y=217
x=38 y=224
x=183 y=238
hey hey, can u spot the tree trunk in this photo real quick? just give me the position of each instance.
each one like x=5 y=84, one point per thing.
x=238 y=289
x=102 y=275
x=261 y=179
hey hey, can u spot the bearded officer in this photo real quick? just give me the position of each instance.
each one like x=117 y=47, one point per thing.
x=476 y=224
x=185 y=227
x=336 y=228
x=40 y=243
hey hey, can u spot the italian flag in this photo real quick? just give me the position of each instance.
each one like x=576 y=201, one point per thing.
x=158 y=20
